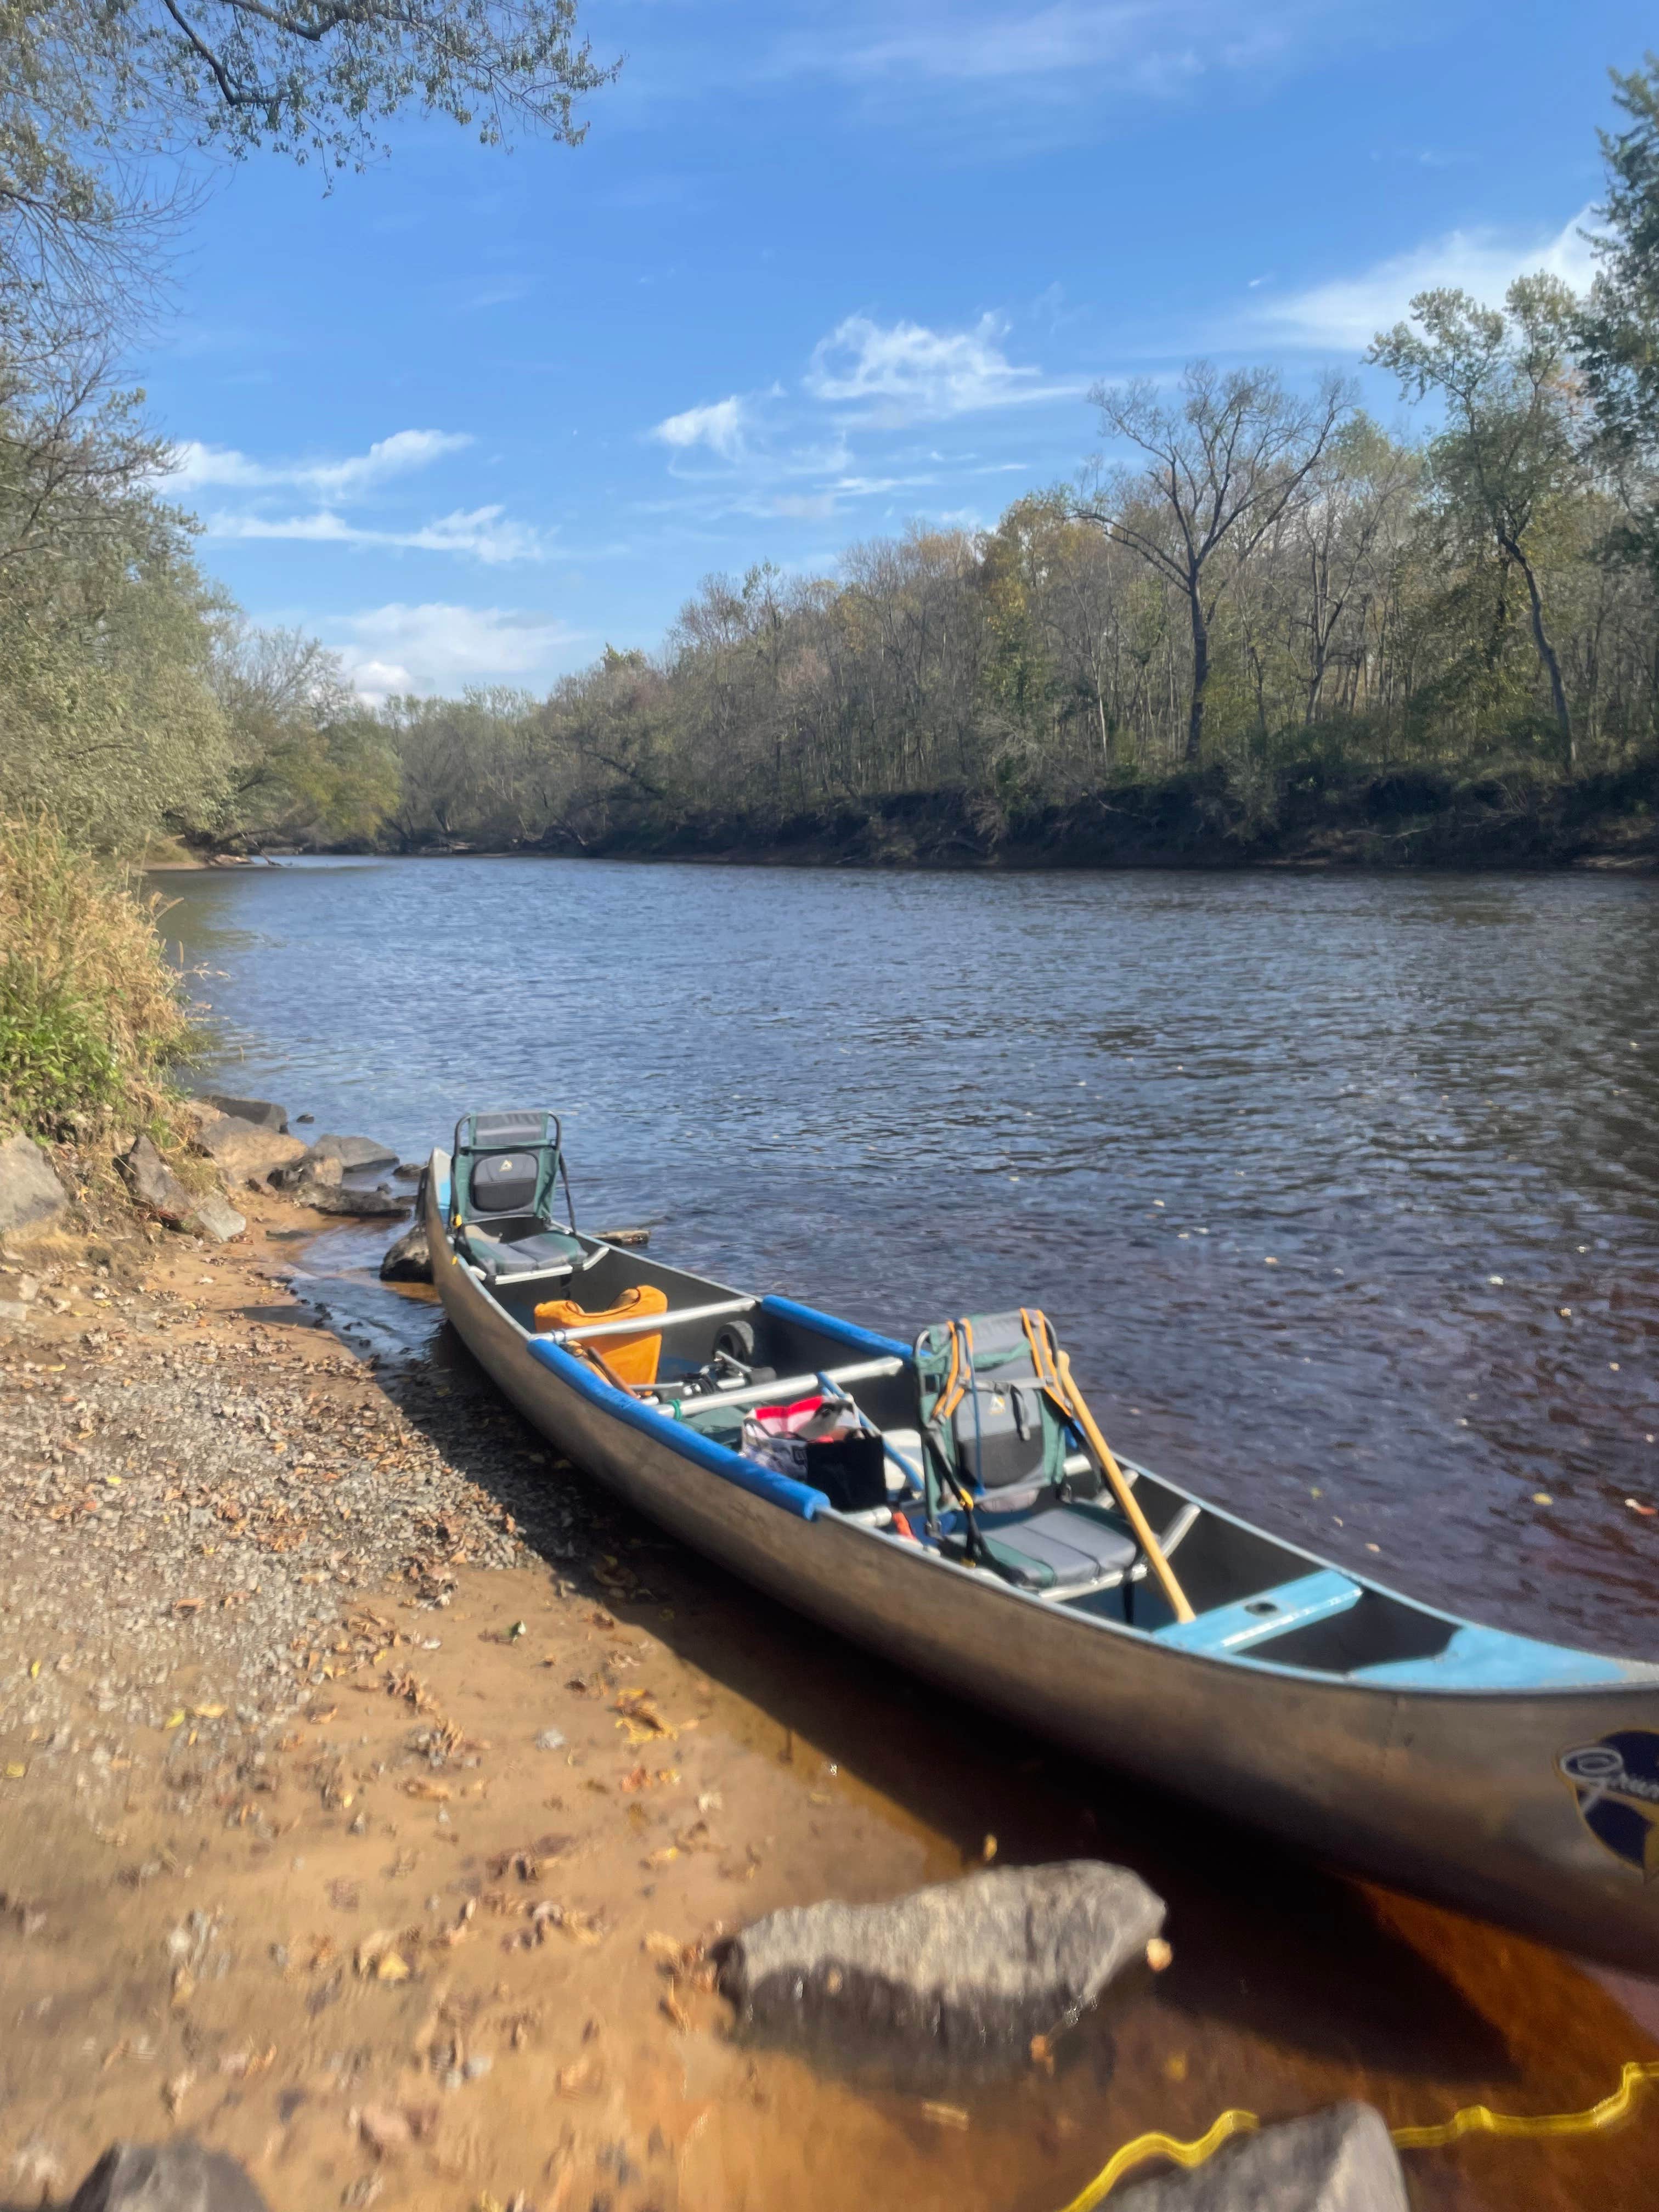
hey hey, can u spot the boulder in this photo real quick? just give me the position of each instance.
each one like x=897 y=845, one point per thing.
x=29 y=1191
x=966 y=1965
x=1342 y=2159
x=259 y=1111
x=355 y=1152
x=215 y=1218
x=154 y=1184
x=181 y=2176
x=410 y=1259
x=248 y=1149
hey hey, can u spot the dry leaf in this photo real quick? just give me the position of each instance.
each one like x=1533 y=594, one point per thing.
x=579 y=2078
x=420 y=1787
x=944 y=2115
x=666 y=1950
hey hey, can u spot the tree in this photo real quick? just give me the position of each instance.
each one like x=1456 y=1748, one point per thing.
x=1224 y=468
x=102 y=98
x=1618 y=328
x=1509 y=452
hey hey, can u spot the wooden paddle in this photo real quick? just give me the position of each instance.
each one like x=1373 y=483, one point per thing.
x=1125 y=1495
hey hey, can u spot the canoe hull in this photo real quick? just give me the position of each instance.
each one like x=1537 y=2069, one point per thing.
x=1455 y=1796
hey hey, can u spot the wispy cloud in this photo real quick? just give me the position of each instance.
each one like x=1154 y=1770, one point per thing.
x=436 y=648
x=481 y=532
x=1346 y=313
x=197 y=464
x=903 y=373
x=720 y=426
x=1070 y=48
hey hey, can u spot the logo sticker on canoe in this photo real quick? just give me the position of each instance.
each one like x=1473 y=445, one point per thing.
x=1616 y=1784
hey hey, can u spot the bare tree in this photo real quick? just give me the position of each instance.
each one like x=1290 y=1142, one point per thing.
x=1223 y=467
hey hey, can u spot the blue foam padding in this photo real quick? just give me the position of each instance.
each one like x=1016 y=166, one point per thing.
x=844 y=1332
x=1490 y=1659
x=797 y=1498
x=1226 y=1630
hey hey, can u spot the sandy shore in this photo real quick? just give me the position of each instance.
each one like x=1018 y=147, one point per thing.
x=370 y=1788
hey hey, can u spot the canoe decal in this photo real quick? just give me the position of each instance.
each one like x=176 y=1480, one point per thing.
x=1616 y=1784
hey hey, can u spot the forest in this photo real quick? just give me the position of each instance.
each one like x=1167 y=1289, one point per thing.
x=1262 y=624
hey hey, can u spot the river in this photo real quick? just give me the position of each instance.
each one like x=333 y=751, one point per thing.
x=1343 y=1191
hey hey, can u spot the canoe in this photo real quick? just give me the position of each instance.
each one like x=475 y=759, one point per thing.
x=1501 y=1775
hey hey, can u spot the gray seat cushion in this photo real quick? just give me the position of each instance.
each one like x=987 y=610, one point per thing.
x=502 y=1257
x=1060 y=1549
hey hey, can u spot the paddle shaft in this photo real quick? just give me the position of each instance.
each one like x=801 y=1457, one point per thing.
x=1125 y=1497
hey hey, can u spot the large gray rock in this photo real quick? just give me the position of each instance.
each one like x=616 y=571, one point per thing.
x=988 y=1961
x=355 y=1152
x=181 y=2176
x=410 y=1259
x=260 y=1111
x=246 y=1150
x=29 y=1191
x=154 y=1184
x=1337 y=2160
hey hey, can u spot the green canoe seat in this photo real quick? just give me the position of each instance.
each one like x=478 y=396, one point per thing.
x=1227 y=1630
x=1059 y=1550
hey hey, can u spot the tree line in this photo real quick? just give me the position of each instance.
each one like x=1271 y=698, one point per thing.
x=1256 y=582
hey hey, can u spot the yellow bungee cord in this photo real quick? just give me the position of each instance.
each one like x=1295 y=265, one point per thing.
x=1472 y=2120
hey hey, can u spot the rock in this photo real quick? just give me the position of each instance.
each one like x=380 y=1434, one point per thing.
x=154 y=1184
x=1339 y=2160
x=340 y=1198
x=308 y=1168
x=215 y=1218
x=409 y=1259
x=991 y=1960
x=303 y=1117
x=355 y=1152
x=30 y=1192
x=181 y=2176
x=259 y=1111
x=247 y=1149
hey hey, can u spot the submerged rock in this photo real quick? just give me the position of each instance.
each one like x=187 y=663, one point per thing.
x=30 y=1192
x=410 y=1259
x=342 y=1198
x=260 y=1111
x=355 y=1152
x=966 y=1965
x=1339 y=2160
x=181 y=2176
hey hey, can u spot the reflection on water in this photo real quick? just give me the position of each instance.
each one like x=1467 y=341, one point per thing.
x=1345 y=1190
x=1307 y=1170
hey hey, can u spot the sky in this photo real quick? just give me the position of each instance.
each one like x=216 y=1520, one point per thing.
x=819 y=271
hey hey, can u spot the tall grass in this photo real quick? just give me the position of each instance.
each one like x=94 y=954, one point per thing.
x=91 y=1014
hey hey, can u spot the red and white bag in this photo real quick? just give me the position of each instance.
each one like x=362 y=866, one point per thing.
x=777 y=1436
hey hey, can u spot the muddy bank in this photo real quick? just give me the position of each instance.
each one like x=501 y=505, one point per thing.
x=371 y=1790
x=1404 y=819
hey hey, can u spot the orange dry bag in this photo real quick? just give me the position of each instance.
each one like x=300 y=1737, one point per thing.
x=631 y=1357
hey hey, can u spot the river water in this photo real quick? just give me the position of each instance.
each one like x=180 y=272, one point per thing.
x=1344 y=1193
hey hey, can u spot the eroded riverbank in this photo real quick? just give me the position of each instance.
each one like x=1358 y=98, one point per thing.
x=294 y=1861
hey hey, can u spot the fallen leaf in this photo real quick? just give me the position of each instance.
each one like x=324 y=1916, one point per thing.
x=666 y=1950
x=943 y=2116
x=174 y=1720
x=579 y=2078
x=674 y=2010
x=420 y=1787
x=208 y=1712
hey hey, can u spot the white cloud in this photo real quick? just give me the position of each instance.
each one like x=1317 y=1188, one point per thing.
x=484 y=532
x=720 y=426
x=1154 y=47
x=436 y=648
x=906 y=372
x=196 y=464
x=1346 y=313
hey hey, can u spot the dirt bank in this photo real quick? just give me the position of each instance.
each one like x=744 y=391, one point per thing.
x=367 y=1785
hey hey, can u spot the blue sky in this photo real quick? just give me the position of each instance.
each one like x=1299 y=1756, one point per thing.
x=819 y=271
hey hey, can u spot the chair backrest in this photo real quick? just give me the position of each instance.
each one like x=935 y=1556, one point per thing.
x=505 y=1163
x=982 y=1408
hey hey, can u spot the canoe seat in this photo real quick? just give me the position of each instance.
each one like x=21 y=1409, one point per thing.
x=1057 y=1550
x=1227 y=1630
x=502 y=1256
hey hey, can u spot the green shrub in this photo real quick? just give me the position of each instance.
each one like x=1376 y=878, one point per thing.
x=91 y=1014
